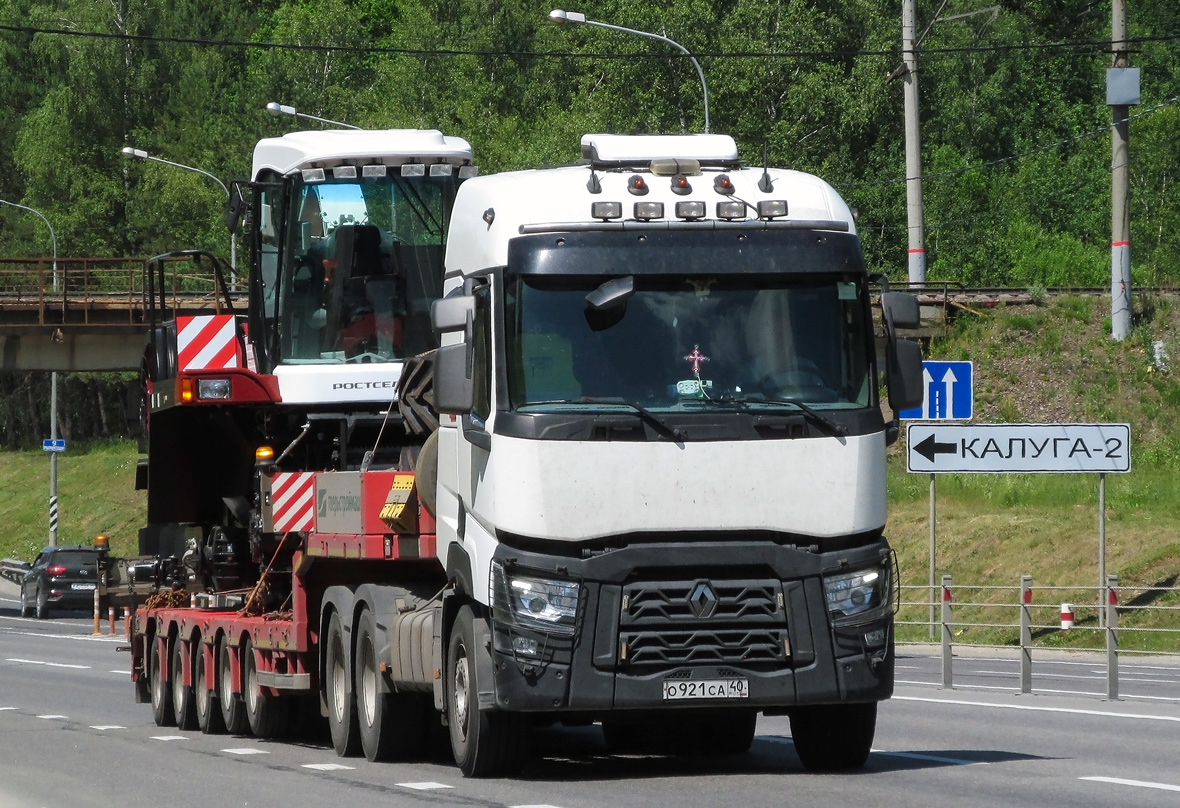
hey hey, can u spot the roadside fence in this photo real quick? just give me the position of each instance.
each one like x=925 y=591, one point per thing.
x=1105 y=611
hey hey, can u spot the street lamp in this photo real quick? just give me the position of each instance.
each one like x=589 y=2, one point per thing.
x=52 y=392
x=277 y=109
x=140 y=154
x=559 y=17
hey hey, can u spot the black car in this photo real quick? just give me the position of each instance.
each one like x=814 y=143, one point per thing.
x=61 y=577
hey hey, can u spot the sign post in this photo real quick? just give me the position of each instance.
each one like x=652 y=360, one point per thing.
x=1025 y=449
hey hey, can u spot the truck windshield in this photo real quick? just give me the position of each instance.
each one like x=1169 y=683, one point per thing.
x=362 y=260
x=677 y=343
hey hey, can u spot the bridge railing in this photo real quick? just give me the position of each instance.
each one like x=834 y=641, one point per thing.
x=96 y=291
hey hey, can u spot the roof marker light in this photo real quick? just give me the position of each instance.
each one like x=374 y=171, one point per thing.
x=723 y=185
x=681 y=185
x=637 y=185
x=606 y=210
x=646 y=211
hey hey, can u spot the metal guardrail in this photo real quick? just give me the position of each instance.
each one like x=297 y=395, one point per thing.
x=1099 y=605
x=13 y=570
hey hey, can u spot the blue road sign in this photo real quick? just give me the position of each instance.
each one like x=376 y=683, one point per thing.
x=55 y=445
x=949 y=393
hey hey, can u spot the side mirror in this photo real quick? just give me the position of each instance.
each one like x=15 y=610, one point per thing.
x=901 y=309
x=905 y=375
x=452 y=314
x=454 y=390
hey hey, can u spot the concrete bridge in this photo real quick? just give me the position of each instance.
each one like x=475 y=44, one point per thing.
x=89 y=314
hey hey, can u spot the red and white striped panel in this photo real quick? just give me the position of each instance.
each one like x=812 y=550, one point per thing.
x=292 y=497
x=207 y=342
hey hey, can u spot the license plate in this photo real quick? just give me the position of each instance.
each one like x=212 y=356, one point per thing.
x=86 y=587
x=706 y=689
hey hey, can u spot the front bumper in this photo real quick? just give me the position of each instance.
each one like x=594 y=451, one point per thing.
x=760 y=617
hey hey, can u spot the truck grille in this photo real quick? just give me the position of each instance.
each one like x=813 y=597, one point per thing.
x=701 y=622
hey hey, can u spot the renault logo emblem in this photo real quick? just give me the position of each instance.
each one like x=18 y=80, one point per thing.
x=703 y=600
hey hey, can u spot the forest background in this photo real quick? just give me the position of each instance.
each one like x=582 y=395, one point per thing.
x=1015 y=130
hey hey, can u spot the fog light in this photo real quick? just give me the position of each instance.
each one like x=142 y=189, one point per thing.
x=874 y=638
x=524 y=646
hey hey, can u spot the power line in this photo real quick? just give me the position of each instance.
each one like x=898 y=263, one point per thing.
x=1100 y=46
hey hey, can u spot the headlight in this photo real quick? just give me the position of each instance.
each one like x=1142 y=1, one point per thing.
x=213 y=388
x=535 y=603
x=855 y=592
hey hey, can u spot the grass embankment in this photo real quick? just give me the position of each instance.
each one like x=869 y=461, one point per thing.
x=1034 y=364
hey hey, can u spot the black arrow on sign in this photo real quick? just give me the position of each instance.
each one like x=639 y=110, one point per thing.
x=929 y=448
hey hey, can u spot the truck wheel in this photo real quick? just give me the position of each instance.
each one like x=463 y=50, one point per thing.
x=208 y=715
x=233 y=709
x=729 y=734
x=392 y=725
x=264 y=712
x=342 y=718
x=25 y=609
x=834 y=737
x=485 y=743
x=161 y=693
x=183 y=700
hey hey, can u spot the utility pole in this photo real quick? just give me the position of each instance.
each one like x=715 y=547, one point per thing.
x=1122 y=90
x=913 y=147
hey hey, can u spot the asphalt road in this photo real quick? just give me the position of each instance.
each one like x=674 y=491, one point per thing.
x=71 y=735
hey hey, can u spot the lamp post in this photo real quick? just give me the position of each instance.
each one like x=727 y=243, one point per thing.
x=52 y=391
x=140 y=154
x=559 y=17
x=277 y=109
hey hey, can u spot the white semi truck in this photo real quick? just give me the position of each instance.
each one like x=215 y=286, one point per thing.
x=661 y=472
x=655 y=497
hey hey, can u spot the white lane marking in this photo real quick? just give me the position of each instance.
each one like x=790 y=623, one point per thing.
x=886 y=753
x=245 y=750
x=5 y=709
x=169 y=738
x=423 y=786
x=121 y=673
x=1042 y=691
x=328 y=767
x=48 y=664
x=1118 y=781
x=54 y=717
x=1101 y=713
x=533 y=806
x=101 y=727
x=83 y=637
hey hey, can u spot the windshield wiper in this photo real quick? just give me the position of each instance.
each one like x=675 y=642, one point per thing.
x=812 y=413
x=674 y=433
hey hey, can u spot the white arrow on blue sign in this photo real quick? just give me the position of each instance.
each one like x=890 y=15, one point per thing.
x=949 y=388
x=54 y=445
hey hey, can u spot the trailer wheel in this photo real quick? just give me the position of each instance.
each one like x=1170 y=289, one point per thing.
x=342 y=717
x=183 y=697
x=161 y=693
x=392 y=725
x=834 y=737
x=485 y=743
x=233 y=709
x=264 y=712
x=208 y=715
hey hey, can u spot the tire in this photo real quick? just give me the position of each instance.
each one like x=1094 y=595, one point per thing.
x=233 y=709
x=160 y=692
x=341 y=701
x=729 y=734
x=426 y=473
x=42 y=611
x=208 y=713
x=25 y=609
x=393 y=726
x=622 y=737
x=264 y=712
x=834 y=737
x=485 y=743
x=184 y=703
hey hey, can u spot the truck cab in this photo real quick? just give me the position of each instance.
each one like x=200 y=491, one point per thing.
x=661 y=468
